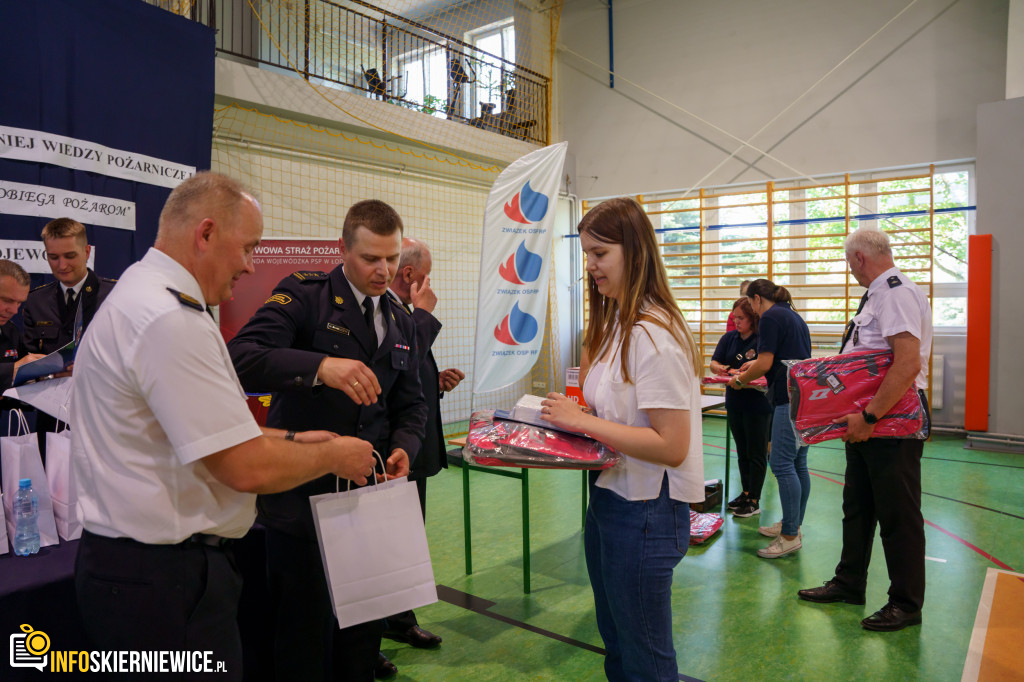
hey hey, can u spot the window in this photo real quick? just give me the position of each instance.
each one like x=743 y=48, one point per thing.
x=494 y=76
x=793 y=232
x=425 y=76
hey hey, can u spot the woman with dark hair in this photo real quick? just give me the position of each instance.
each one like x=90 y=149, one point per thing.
x=782 y=335
x=641 y=376
x=747 y=411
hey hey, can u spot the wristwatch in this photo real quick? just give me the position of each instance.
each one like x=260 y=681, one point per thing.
x=868 y=417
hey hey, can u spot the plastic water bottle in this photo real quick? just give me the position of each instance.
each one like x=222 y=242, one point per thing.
x=26 y=519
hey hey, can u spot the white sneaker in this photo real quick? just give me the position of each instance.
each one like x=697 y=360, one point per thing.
x=780 y=546
x=774 y=530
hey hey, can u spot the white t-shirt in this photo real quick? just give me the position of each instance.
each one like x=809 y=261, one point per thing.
x=154 y=393
x=895 y=304
x=662 y=378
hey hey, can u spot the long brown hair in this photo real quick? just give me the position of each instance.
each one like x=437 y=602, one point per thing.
x=644 y=280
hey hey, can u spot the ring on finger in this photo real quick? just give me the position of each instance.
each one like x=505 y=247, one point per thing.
x=355 y=384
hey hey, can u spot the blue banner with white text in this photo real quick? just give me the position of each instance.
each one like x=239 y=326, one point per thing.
x=107 y=105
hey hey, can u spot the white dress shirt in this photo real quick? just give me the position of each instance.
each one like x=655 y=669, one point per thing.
x=662 y=377
x=154 y=393
x=895 y=304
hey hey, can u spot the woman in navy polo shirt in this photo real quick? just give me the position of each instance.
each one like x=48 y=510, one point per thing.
x=782 y=335
x=748 y=411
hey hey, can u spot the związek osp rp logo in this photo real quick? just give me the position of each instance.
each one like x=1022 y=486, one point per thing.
x=517 y=327
x=521 y=267
x=30 y=648
x=527 y=206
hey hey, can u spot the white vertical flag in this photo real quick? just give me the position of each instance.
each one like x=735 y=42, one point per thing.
x=513 y=293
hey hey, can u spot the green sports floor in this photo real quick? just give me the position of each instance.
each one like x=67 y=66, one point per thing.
x=735 y=616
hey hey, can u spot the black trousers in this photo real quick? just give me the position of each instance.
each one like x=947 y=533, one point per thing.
x=407 y=619
x=883 y=488
x=308 y=645
x=751 y=433
x=134 y=596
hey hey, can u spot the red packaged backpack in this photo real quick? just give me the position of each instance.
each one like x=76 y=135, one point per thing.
x=493 y=441
x=823 y=389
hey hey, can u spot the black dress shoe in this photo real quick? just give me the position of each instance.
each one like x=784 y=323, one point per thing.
x=384 y=668
x=416 y=636
x=890 y=618
x=830 y=592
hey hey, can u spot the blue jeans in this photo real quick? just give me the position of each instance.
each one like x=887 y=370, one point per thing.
x=789 y=464
x=631 y=549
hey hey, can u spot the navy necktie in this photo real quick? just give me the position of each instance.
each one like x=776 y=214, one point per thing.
x=850 y=325
x=368 y=315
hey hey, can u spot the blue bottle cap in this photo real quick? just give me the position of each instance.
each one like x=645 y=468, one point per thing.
x=25 y=483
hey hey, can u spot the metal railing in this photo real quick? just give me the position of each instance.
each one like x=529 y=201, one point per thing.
x=383 y=55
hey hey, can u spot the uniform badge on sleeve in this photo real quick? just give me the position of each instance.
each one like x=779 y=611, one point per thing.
x=283 y=299
x=894 y=282
x=309 y=275
x=11 y=353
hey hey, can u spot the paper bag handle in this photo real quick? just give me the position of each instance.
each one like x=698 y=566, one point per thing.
x=22 y=422
x=348 y=483
x=63 y=410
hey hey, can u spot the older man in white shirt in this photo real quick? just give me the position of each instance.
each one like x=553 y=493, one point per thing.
x=883 y=475
x=167 y=457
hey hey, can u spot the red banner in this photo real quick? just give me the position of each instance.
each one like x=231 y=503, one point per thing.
x=274 y=259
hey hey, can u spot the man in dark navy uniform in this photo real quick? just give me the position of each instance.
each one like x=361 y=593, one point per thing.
x=339 y=354
x=14 y=284
x=411 y=290
x=49 y=312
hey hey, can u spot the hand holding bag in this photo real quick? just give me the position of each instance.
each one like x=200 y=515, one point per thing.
x=19 y=458
x=374 y=548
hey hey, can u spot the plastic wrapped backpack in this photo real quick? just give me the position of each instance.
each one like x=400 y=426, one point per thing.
x=500 y=442
x=823 y=389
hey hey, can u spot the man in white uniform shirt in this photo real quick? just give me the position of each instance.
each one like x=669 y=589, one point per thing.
x=883 y=475
x=166 y=455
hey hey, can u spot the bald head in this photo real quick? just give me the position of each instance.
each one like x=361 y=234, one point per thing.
x=414 y=265
x=203 y=194
x=211 y=225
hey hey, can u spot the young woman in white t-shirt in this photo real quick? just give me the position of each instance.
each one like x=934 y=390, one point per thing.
x=640 y=375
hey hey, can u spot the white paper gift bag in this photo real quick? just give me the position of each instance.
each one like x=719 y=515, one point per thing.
x=374 y=548
x=62 y=490
x=19 y=458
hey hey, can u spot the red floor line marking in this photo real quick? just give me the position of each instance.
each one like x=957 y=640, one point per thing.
x=939 y=528
x=977 y=549
x=827 y=478
x=959 y=539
